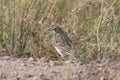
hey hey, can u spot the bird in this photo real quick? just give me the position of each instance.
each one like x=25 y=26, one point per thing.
x=60 y=41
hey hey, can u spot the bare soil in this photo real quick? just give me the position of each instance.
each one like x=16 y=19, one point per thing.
x=45 y=69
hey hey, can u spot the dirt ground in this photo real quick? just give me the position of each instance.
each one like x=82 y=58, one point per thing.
x=44 y=69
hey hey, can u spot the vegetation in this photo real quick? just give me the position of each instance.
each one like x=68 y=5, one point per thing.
x=92 y=25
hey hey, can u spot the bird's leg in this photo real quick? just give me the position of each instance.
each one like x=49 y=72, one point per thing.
x=64 y=58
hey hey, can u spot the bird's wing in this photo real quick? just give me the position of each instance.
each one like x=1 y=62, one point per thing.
x=63 y=47
x=66 y=40
x=62 y=41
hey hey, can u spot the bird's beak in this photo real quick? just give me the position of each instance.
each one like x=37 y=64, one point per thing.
x=48 y=30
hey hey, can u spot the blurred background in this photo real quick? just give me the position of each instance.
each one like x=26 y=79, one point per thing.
x=92 y=25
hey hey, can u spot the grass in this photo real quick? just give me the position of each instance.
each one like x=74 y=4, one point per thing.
x=92 y=25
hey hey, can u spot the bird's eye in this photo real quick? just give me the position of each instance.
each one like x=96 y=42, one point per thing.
x=55 y=28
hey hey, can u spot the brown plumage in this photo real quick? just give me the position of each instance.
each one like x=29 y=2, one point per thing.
x=60 y=41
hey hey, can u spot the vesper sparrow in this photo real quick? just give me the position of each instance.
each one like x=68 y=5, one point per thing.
x=60 y=41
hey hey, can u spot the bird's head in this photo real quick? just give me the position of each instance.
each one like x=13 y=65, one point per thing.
x=55 y=29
